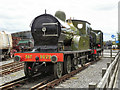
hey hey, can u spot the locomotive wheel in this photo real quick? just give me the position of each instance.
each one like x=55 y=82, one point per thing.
x=75 y=63
x=82 y=62
x=28 y=72
x=58 y=69
x=67 y=64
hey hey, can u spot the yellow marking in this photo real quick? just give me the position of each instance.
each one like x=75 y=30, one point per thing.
x=28 y=56
x=74 y=78
x=49 y=57
x=40 y=56
x=45 y=56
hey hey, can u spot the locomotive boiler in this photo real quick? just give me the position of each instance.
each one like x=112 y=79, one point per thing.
x=60 y=45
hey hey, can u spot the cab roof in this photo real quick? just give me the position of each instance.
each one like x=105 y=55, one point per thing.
x=80 y=21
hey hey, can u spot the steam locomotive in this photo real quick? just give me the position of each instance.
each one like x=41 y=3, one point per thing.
x=60 y=45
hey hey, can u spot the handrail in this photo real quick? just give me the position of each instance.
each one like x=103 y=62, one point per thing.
x=110 y=75
x=106 y=75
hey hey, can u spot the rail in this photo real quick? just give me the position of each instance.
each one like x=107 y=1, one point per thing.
x=109 y=75
x=10 y=68
x=49 y=82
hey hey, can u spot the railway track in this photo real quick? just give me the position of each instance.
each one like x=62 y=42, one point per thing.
x=55 y=82
x=10 y=68
x=47 y=83
x=13 y=83
x=6 y=59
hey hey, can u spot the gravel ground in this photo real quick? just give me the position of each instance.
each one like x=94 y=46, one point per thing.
x=6 y=62
x=106 y=53
x=91 y=74
x=11 y=77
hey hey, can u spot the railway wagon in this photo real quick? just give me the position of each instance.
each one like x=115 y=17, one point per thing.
x=25 y=43
x=5 y=44
x=60 y=45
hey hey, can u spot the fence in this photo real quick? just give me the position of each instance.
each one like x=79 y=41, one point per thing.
x=109 y=75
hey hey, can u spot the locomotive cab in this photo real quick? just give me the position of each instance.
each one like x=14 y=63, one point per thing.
x=81 y=40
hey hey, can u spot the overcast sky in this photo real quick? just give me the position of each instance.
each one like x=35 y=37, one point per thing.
x=16 y=15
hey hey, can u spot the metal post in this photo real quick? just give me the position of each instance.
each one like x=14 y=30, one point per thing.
x=111 y=52
x=92 y=86
x=115 y=43
x=112 y=60
x=103 y=71
x=108 y=64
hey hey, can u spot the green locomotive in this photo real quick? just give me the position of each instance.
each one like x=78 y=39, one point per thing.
x=60 y=45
